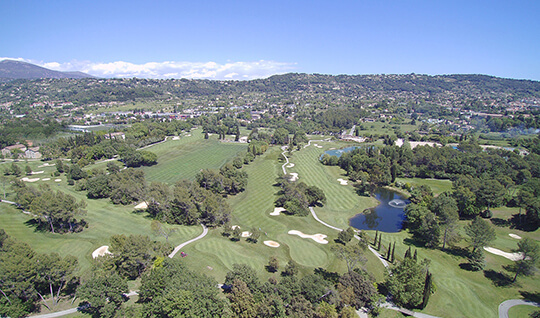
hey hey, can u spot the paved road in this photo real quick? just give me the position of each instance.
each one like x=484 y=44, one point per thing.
x=177 y=249
x=506 y=305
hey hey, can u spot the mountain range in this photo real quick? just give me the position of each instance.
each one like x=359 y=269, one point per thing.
x=10 y=70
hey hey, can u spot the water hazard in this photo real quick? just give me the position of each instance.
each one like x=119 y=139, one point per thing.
x=388 y=216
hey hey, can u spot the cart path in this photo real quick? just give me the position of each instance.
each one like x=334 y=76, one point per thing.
x=179 y=247
x=506 y=305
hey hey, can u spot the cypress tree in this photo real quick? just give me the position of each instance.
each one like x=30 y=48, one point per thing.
x=415 y=255
x=376 y=234
x=393 y=251
x=427 y=289
x=379 y=246
x=408 y=253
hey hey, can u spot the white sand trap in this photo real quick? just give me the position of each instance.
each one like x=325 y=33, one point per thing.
x=141 y=206
x=277 y=211
x=246 y=234
x=510 y=256
x=175 y=138
x=45 y=179
x=271 y=243
x=38 y=172
x=47 y=165
x=101 y=251
x=26 y=179
x=317 y=146
x=332 y=149
x=512 y=235
x=235 y=226
x=399 y=142
x=57 y=180
x=294 y=176
x=342 y=181
x=188 y=135
x=290 y=165
x=319 y=238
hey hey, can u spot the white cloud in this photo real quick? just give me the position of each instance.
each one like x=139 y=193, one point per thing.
x=172 y=69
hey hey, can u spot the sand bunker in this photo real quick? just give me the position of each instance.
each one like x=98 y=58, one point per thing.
x=235 y=226
x=290 y=165
x=510 y=256
x=46 y=165
x=317 y=146
x=294 y=176
x=141 y=206
x=175 y=138
x=26 y=179
x=246 y=234
x=57 y=180
x=342 y=181
x=38 y=172
x=101 y=251
x=277 y=211
x=319 y=238
x=515 y=236
x=188 y=135
x=271 y=243
x=45 y=179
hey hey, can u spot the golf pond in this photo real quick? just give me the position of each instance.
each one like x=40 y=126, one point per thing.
x=388 y=216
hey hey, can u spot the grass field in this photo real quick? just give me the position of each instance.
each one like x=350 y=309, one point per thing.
x=437 y=185
x=185 y=157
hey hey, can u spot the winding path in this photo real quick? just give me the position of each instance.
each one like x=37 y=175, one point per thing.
x=177 y=249
x=506 y=305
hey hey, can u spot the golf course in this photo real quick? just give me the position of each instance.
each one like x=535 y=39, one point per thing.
x=459 y=291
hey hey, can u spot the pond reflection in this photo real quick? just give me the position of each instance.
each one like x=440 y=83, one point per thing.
x=388 y=216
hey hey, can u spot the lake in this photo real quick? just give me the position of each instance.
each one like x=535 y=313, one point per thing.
x=338 y=152
x=388 y=216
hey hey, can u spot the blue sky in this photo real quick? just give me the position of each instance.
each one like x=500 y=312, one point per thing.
x=250 y=39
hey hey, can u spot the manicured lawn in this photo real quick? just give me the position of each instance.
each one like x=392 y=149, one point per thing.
x=521 y=311
x=437 y=185
x=185 y=157
x=342 y=201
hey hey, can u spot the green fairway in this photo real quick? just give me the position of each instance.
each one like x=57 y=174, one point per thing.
x=185 y=157
x=342 y=201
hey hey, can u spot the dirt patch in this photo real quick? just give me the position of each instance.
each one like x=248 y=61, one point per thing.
x=510 y=256
x=271 y=243
x=277 y=211
x=319 y=238
x=101 y=251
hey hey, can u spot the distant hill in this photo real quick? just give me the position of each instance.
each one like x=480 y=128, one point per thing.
x=10 y=70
